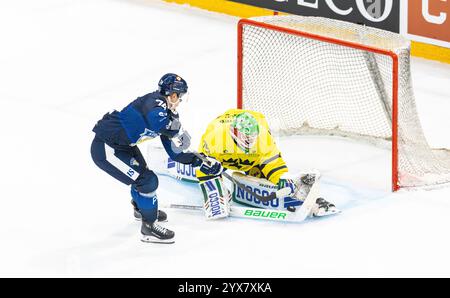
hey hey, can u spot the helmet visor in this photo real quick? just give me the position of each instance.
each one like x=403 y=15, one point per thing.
x=183 y=97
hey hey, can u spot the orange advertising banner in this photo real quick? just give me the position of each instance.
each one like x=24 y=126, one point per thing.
x=429 y=18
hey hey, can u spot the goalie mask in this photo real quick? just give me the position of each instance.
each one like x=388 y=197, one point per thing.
x=244 y=131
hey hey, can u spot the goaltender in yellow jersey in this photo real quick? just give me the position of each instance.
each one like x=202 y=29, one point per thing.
x=241 y=140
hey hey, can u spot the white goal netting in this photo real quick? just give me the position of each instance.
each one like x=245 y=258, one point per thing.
x=320 y=82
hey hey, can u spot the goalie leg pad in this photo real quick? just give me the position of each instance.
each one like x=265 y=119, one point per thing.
x=258 y=185
x=216 y=198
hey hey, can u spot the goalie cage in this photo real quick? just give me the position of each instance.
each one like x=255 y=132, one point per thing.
x=346 y=79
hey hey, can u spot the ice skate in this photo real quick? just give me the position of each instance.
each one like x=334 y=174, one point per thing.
x=154 y=233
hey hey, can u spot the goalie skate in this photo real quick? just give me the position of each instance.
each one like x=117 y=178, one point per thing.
x=324 y=208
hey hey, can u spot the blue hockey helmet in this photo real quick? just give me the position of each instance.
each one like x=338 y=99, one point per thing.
x=172 y=83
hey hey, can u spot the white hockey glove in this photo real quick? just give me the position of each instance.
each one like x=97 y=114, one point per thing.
x=182 y=140
x=211 y=166
x=174 y=124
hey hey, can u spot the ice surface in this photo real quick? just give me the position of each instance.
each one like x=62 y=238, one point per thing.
x=66 y=63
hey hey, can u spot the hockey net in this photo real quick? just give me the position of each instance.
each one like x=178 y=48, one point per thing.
x=322 y=76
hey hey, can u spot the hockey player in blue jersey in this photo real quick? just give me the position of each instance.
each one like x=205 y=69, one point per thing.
x=114 y=149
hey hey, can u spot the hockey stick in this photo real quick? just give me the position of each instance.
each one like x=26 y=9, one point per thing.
x=281 y=193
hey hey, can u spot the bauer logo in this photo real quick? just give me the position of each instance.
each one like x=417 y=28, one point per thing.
x=243 y=196
x=429 y=18
x=383 y=14
x=265 y=213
